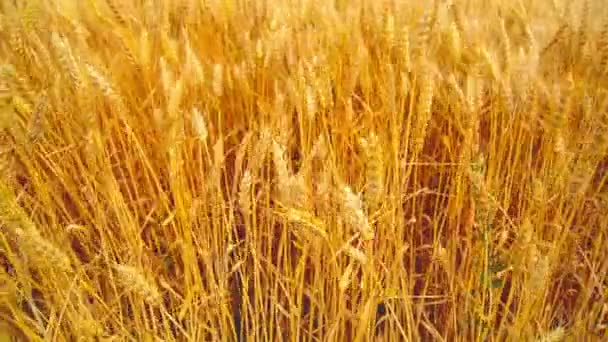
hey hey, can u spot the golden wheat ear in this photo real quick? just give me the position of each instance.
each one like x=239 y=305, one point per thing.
x=67 y=62
x=136 y=282
x=603 y=48
x=353 y=211
x=375 y=170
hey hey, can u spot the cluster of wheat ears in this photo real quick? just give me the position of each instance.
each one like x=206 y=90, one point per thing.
x=348 y=170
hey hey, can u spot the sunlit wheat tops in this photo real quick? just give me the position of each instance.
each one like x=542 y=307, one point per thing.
x=351 y=170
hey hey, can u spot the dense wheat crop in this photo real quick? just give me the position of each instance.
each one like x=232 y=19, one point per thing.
x=198 y=170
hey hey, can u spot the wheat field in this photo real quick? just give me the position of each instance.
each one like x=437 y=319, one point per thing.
x=303 y=170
